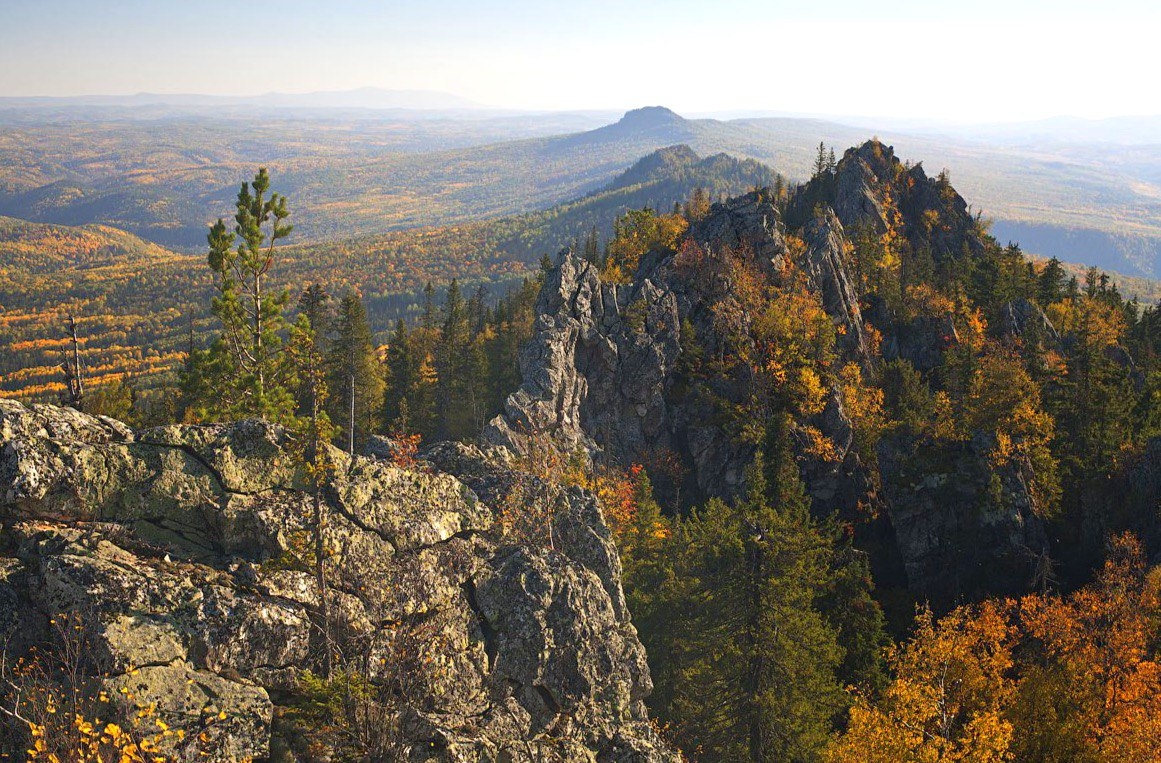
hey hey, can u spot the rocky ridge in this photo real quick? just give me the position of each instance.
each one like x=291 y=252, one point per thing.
x=602 y=372
x=179 y=549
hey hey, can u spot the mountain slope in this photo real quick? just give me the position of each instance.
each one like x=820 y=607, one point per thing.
x=138 y=305
x=960 y=465
x=163 y=177
x=43 y=248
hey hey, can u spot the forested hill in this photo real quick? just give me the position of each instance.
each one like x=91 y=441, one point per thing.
x=847 y=406
x=44 y=249
x=164 y=178
x=138 y=303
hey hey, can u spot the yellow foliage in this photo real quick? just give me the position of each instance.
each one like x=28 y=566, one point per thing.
x=819 y=445
x=1096 y=322
x=97 y=743
x=864 y=405
x=637 y=233
x=948 y=697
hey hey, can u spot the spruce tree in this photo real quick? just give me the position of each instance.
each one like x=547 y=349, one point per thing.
x=1052 y=283
x=355 y=376
x=453 y=400
x=752 y=662
x=316 y=305
x=402 y=369
x=592 y=250
x=820 y=160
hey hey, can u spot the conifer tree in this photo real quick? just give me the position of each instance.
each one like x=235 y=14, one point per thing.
x=402 y=369
x=317 y=306
x=452 y=399
x=245 y=372
x=752 y=676
x=309 y=446
x=1051 y=283
x=354 y=373
x=592 y=250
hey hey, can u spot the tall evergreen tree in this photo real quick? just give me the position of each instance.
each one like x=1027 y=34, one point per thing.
x=245 y=372
x=402 y=370
x=355 y=376
x=592 y=250
x=1052 y=282
x=317 y=306
x=753 y=661
x=311 y=433
x=453 y=398
x=821 y=160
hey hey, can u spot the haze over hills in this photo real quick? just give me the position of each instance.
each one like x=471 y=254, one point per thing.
x=164 y=178
x=360 y=98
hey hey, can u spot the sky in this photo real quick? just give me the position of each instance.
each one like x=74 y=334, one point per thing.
x=969 y=61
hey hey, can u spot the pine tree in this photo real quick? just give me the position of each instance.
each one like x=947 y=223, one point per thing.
x=354 y=373
x=245 y=372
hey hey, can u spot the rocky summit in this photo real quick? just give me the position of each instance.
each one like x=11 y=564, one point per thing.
x=603 y=373
x=175 y=558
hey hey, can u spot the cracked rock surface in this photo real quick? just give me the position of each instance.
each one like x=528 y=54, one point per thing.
x=172 y=544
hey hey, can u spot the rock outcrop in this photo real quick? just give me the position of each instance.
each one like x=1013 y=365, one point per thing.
x=826 y=267
x=601 y=373
x=605 y=371
x=180 y=551
x=961 y=528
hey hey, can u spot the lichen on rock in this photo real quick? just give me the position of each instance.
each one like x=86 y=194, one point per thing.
x=182 y=549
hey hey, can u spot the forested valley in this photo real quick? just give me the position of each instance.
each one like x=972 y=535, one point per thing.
x=882 y=488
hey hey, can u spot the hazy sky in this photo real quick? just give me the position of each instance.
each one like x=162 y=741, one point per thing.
x=973 y=60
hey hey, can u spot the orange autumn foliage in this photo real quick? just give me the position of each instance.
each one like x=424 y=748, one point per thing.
x=1046 y=678
x=1093 y=691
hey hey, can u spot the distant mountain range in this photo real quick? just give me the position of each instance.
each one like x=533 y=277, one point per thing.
x=361 y=98
x=350 y=173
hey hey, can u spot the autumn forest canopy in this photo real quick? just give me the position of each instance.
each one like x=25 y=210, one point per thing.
x=882 y=487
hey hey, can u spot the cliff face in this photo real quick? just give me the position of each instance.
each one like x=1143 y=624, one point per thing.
x=603 y=372
x=174 y=548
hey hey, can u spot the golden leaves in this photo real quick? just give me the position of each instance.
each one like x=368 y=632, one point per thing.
x=1085 y=686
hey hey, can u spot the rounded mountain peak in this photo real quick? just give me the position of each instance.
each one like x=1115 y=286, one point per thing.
x=651 y=117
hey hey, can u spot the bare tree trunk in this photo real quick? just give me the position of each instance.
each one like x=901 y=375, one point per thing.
x=320 y=574
x=351 y=439
x=258 y=364
x=74 y=394
x=320 y=570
